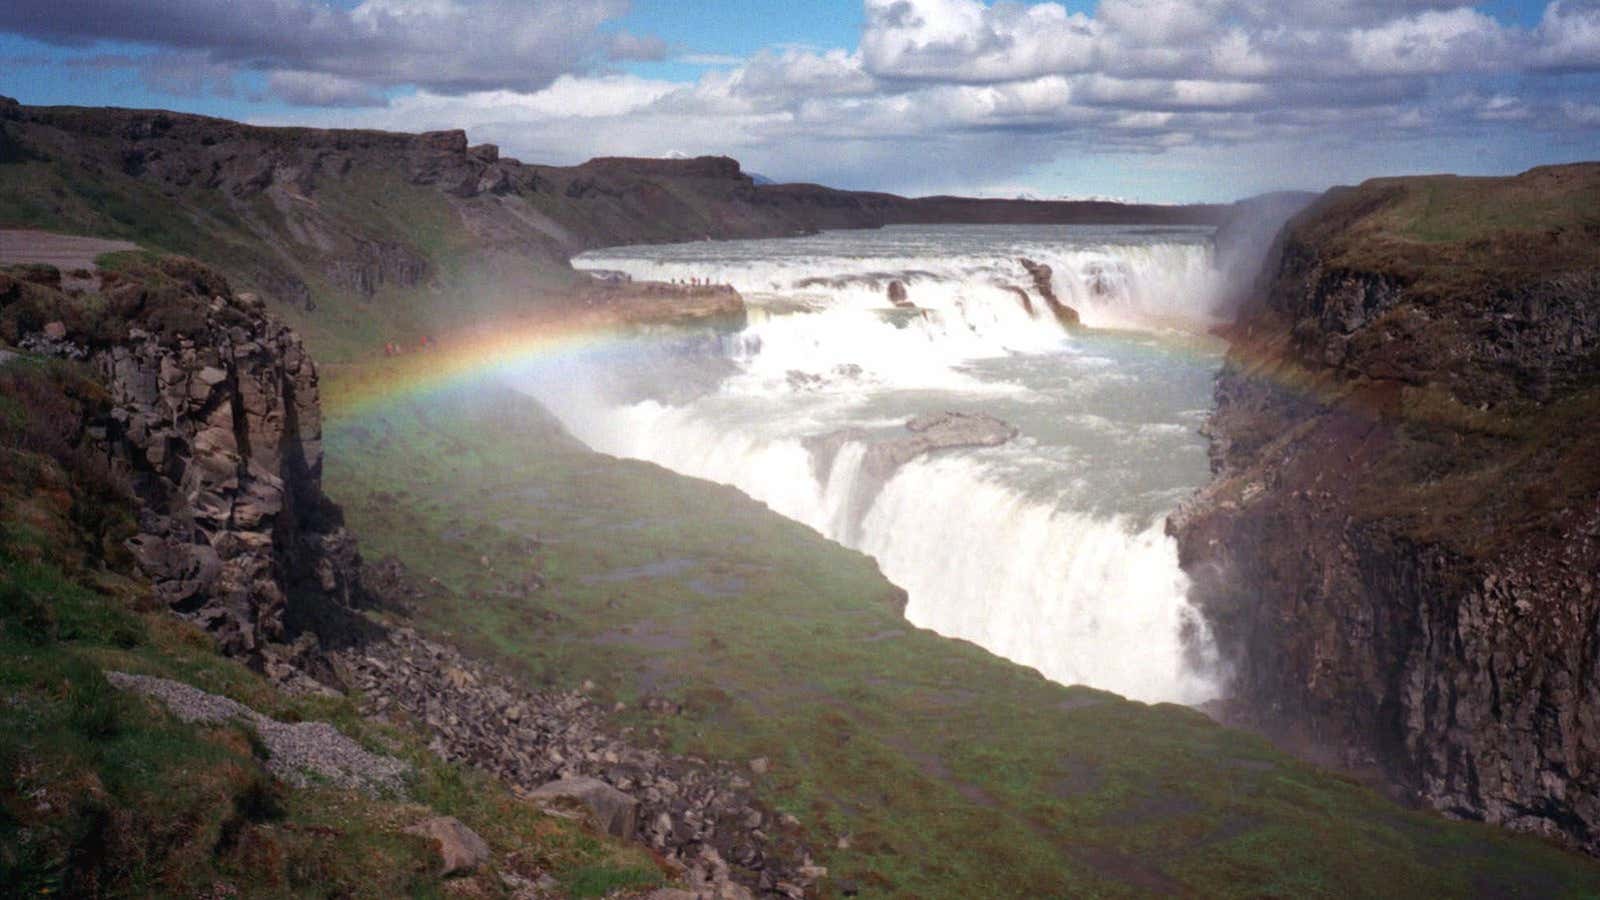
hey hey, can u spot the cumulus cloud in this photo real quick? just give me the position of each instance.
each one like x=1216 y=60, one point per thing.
x=931 y=88
x=1569 y=35
x=966 y=40
x=321 y=89
x=1433 y=43
x=449 y=46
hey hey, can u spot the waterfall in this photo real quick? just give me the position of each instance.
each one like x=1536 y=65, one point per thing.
x=1048 y=551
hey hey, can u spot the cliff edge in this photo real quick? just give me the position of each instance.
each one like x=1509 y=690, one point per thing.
x=207 y=409
x=1399 y=551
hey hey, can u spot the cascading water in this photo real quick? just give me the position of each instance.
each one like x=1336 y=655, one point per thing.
x=1048 y=549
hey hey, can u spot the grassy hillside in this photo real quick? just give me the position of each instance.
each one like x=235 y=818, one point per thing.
x=920 y=766
x=106 y=794
x=1444 y=236
x=362 y=237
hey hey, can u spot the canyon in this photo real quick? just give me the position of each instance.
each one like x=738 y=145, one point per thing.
x=1399 y=547
x=1396 y=555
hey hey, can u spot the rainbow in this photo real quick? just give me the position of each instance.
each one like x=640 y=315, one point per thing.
x=465 y=358
x=505 y=348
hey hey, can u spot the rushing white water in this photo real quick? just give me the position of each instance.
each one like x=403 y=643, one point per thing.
x=1048 y=550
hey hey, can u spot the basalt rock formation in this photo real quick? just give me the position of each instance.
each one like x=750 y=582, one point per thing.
x=327 y=220
x=212 y=413
x=207 y=410
x=1400 y=552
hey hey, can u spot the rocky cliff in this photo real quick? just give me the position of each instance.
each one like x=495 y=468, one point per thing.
x=211 y=414
x=1399 y=551
x=363 y=235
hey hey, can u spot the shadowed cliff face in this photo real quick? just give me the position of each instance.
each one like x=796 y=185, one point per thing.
x=1399 y=552
x=211 y=412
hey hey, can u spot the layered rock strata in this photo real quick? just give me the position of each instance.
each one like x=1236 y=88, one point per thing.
x=1400 y=552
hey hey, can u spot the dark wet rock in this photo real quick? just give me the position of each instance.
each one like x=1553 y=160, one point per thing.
x=369 y=266
x=1398 y=552
x=1022 y=296
x=1044 y=282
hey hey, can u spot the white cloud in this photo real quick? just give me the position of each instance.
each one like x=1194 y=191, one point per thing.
x=966 y=40
x=1569 y=35
x=319 y=89
x=1431 y=43
x=932 y=86
x=450 y=46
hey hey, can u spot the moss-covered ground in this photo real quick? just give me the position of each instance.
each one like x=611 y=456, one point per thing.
x=106 y=794
x=920 y=766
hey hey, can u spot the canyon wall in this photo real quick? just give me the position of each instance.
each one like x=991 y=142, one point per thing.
x=1400 y=552
x=210 y=416
x=351 y=232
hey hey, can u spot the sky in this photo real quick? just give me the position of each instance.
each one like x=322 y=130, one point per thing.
x=1153 y=100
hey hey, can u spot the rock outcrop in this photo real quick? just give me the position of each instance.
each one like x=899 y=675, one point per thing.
x=940 y=431
x=308 y=216
x=884 y=455
x=213 y=414
x=1399 y=552
x=1043 y=278
x=614 y=812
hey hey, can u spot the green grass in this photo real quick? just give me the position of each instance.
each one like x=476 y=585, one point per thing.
x=106 y=794
x=261 y=244
x=599 y=881
x=1447 y=237
x=945 y=772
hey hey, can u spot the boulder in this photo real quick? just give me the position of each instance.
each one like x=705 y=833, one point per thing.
x=1044 y=282
x=461 y=850
x=615 y=812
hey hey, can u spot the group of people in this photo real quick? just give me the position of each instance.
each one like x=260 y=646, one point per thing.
x=692 y=282
x=395 y=348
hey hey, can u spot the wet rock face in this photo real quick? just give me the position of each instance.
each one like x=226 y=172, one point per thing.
x=1403 y=578
x=1472 y=684
x=940 y=431
x=1043 y=278
x=220 y=426
x=1534 y=338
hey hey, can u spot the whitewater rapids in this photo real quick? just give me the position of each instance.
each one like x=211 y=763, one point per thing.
x=1048 y=550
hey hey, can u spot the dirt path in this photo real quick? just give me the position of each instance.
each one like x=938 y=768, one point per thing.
x=66 y=252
